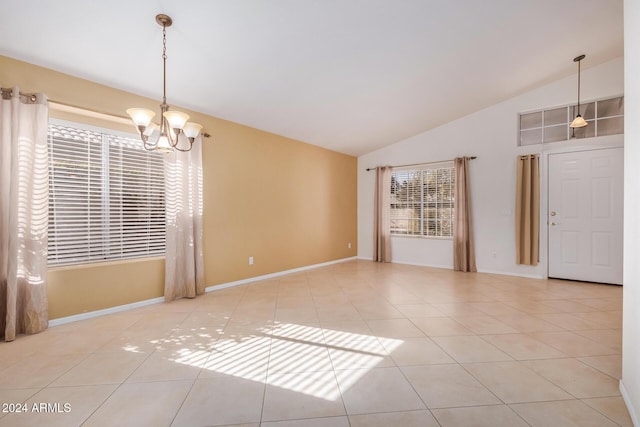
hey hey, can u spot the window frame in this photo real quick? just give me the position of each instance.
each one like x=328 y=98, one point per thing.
x=109 y=138
x=423 y=218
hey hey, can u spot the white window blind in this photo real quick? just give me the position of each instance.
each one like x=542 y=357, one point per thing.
x=106 y=197
x=422 y=201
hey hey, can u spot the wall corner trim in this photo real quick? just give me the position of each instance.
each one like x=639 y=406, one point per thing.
x=627 y=400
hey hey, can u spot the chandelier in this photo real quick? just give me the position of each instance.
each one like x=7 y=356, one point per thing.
x=174 y=126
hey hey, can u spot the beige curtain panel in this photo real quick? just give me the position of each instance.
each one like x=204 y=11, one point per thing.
x=528 y=210
x=24 y=213
x=382 y=215
x=464 y=258
x=184 y=262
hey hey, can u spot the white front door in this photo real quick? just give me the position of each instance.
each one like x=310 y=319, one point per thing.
x=585 y=215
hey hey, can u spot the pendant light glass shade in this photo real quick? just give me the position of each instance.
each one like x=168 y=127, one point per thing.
x=578 y=122
x=164 y=146
x=176 y=119
x=192 y=130
x=150 y=129
x=141 y=116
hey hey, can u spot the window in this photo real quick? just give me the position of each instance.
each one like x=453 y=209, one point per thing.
x=422 y=201
x=106 y=197
x=605 y=117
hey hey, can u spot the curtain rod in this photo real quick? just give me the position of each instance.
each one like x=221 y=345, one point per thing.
x=69 y=108
x=29 y=98
x=420 y=164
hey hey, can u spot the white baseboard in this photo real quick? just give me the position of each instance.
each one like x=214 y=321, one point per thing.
x=117 y=309
x=508 y=273
x=450 y=267
x=278 y=274
x=98 y=313
x=447 y=267
x=417 y=264
x=632 y=410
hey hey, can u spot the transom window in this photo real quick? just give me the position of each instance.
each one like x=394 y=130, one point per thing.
x=604 y=117
x=422 y=201
x=106 y=196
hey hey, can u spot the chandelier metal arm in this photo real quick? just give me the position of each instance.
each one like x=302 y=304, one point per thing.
x=184 y=150
x=149 y=146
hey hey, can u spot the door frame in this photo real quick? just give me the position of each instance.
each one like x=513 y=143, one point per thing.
x=597 y=143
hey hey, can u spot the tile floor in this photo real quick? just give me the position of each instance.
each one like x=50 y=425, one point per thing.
x=353 y=344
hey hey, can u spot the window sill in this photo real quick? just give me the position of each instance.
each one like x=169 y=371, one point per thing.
x=97 y=264
x=409 y=236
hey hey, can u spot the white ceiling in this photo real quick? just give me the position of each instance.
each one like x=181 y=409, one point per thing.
x=348 y=75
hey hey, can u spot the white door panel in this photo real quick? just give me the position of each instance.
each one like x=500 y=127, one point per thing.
x=585 y=215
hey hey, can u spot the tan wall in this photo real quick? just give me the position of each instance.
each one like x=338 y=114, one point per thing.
x=286 y=203
x=80 y=289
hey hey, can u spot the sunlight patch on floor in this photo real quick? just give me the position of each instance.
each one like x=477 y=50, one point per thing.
x=288 y=351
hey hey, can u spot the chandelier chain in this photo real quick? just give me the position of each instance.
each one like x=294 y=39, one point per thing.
x=164 y=64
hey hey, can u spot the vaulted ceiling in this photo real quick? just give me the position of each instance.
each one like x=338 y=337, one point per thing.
x=347 y=75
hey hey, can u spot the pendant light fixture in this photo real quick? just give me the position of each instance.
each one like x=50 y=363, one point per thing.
x=578 y=122
x=173 y=124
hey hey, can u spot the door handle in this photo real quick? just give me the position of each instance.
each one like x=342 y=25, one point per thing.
x=553 y=223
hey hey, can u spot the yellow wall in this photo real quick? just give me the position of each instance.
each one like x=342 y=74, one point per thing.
x=286 y=203
x=80 y=289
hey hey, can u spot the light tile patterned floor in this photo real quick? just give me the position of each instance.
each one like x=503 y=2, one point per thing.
x=353 y=344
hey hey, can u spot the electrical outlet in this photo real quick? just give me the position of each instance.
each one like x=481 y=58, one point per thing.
x=349 y=245
x=250 y=260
